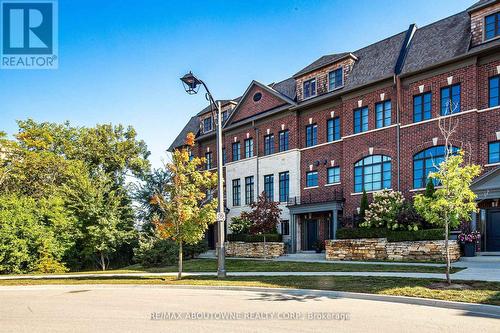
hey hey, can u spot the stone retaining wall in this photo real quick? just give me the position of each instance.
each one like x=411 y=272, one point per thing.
x=381 y=249
x=255 y=250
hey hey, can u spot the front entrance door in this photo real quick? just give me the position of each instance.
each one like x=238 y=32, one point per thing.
x=493 y=231
x=311 y=234
x=210 y=236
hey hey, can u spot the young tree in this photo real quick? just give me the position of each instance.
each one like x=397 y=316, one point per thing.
x=430 y=189
x=363 y=207
x=184 y=211
x=264 y=216
x=454 y=201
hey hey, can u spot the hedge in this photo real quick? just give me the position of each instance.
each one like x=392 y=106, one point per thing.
x=391 y=235
x=254 y=238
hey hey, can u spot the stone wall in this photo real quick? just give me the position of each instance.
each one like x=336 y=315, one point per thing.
x=255 y=250
x=381 y=249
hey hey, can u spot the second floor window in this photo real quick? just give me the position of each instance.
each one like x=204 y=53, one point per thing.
x=494 y=91
x=248 y=148
x=309 y=88
x=361 y=120
x=450 y=99
x=236 y=192
x=333 y=175
x=269 y=144
x=269 y=187
x=311 y=135
x=428 y=161
x=284 y=186
x=209 y=161
x=494 y=152
x=236 y=151
x=383 y=114
x=207 y=125
x=249 y=190
x=312 y=178
x=333 y=129
x=283 y=140
x=492 y=26
x=422 y=107
x=336 y=79
x=372 y=173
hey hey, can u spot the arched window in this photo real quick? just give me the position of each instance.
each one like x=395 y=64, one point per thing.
x=372 y=173
x=426 y=162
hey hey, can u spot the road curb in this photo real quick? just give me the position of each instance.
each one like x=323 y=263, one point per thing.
x=473 y=308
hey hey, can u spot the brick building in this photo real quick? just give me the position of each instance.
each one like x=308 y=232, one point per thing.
x=365 y=120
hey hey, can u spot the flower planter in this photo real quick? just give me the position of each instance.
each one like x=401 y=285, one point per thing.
x=469 y=249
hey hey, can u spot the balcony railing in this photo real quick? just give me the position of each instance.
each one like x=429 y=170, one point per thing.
x=312 y=198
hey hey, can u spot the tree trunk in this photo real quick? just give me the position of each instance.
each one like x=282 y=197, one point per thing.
x=447 y=249
x=103 y=262
x=179 y=275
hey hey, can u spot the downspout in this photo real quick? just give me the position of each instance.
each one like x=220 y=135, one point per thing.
x=257 y=180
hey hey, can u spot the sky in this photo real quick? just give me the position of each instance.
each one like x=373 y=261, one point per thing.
x=120 y=61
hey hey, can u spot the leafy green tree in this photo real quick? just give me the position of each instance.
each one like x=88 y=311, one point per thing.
x=363 y=206
x=185 y=211
x=454 y=201
x=430 y=189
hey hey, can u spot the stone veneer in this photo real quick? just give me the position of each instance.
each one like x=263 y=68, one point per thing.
x=381 y=249
x=255 y=250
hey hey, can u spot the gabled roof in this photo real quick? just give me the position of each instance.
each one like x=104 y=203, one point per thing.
x=191 y=126
x=286 y=87
x=487 y=185
x=480 y=4
x=322 y=62
x=222 y=101
x=438 y=42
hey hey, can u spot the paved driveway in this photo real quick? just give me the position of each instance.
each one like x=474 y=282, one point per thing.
x=129 y=309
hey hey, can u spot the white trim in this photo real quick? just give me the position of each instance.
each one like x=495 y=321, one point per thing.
x=368 y=192
x=440 y=117
x=310 y=187
x=492 y=164
x=332 y=184
x=489 y=109
x=423 y=189
x=370 y=131
x=321 y=144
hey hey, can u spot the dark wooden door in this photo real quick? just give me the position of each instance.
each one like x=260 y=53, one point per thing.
x=312 y=234
x=493 y=231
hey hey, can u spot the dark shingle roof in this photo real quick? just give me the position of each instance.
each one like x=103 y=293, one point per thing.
x=438 y=42
x=285 y=87
x=321 y=62
x=479 y=4
x=208 y=108
x=376 y=61
x=191 y=126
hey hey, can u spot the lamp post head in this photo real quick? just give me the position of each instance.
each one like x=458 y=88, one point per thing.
x=191 y=83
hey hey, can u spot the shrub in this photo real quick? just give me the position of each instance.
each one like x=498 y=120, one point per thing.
x=240 y=225
x=254 y=238
x=193 y=251
x=391 y=235
x=155 y=252
x=409 y=219
x=363 y=207
x=383 y=210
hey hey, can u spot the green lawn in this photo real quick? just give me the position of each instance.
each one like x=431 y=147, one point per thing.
x=480 y=292
x=239 y=265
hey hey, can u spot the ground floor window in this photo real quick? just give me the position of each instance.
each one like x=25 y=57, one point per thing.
x=285 y=227
x=372 y=173
x=426 y=162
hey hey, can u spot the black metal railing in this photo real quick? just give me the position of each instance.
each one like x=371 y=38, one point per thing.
x=312 y=198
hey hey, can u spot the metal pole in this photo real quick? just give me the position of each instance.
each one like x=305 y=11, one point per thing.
x=221 y=267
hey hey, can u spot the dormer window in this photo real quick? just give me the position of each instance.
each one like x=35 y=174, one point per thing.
x=492 y=26
x=207 y=124
x=336 y=79
x=310 y=88
x=225 y=115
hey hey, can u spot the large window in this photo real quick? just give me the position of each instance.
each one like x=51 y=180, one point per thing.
x=207 y=124
x=236 y=151
x=248 y=148
x=283 y=140
x=361 y=120
x=269 y=144
x=208 y=161
x=335 y=78
x=312 y=179
x=494 y=91
x=333 y=175
x=372 y=173
x=249 y=190
x=236 y=192
x=422 y=107
x=494 y=152
x=269 y=187
x=284 y=186
x=492 y=26
x=426 y=162
x=309 y=88
x=383 y=114
x=450 y=99
x=285 y=227
x=311 y=135
x=333 y=129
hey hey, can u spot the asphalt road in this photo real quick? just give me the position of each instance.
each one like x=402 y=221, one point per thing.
x=154 y=309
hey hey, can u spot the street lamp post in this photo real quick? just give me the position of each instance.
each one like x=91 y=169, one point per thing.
x=192 y=85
